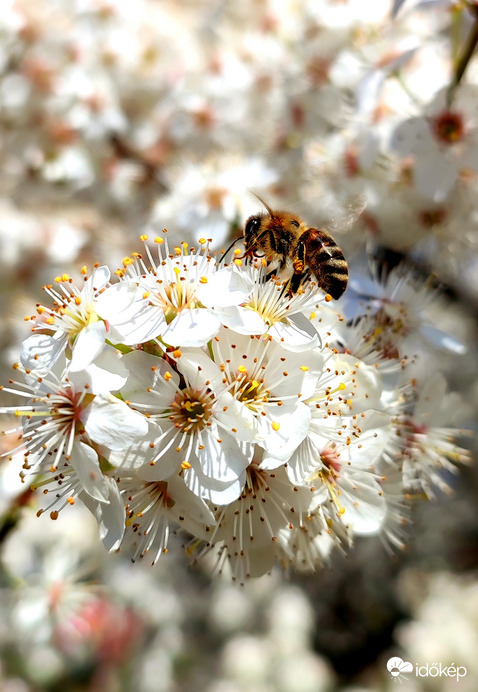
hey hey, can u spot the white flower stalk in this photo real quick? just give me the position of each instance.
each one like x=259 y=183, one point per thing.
x=171 y=297
x=213 y=401
x=72 y=322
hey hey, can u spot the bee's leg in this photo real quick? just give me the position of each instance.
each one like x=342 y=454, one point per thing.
x=267 y=241
x=296 y=281
x=300 y=270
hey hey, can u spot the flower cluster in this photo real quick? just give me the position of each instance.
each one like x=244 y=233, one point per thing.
x=214 y=398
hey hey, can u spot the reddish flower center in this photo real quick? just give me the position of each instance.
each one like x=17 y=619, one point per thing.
x=448 y=127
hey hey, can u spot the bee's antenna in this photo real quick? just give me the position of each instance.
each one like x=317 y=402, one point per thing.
x=229 y=248
x=269 y=210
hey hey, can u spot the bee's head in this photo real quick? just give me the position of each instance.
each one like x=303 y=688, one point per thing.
x=253 y=228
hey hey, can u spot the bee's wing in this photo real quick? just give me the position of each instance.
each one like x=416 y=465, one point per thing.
x=350 y=213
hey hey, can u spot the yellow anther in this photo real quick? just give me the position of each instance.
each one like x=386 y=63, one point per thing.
x=167 y=376
x=50 y=320
x=242 y=369
x=184 y=244
x=312 y=316
x=40 y=309
x=177 y=353
x=237 y=251
x=158 y=241
x=185 y=465
x=71 y=500
x=127 y=261
x=342 y=386
x=177 y=250
x=143 y=238
x=177 y=271
x=328 y=298
x=84 y=270
x=77 y=300
x=203 y=280
x=275 y=426
x=304 y=368
x=238 y=262
x=202 y=241
x=146 y=294
x=264 y=262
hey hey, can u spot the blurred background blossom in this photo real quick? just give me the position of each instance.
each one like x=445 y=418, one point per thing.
x=119 y=115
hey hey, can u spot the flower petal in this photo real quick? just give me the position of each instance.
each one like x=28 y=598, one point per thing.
x=193 y=327
x=111 y=422
x=84 y=460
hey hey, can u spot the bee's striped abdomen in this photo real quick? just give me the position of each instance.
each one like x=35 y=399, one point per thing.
x=326 y=261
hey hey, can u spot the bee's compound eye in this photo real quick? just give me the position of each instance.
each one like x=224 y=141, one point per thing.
x=253 y=225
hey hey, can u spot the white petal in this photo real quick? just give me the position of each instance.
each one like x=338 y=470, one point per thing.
x=292 y=427
x=129 y=316
x=434 y=176
x=198 y=368
x=366 y=513
x=192 y=328
x=111 y=422
x=226 y=287
x=222 y=461
x=146 y=372
x=231 y=413
x=196 y=514
x=412 y=136
x=106 y=374
x=302 y=462
x=110 y=516
x=99 y=278
x=212 y=490
x=89 y=344
x=243 y=320
x=40 y=351
x=368 y=91
x=303 y=370
x=115 y=299
x=141 y=453
x=374 y=436
x=85 y=462
x=439 y=338
x=294 y=338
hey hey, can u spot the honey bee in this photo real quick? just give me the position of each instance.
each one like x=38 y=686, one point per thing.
x=284 y=240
